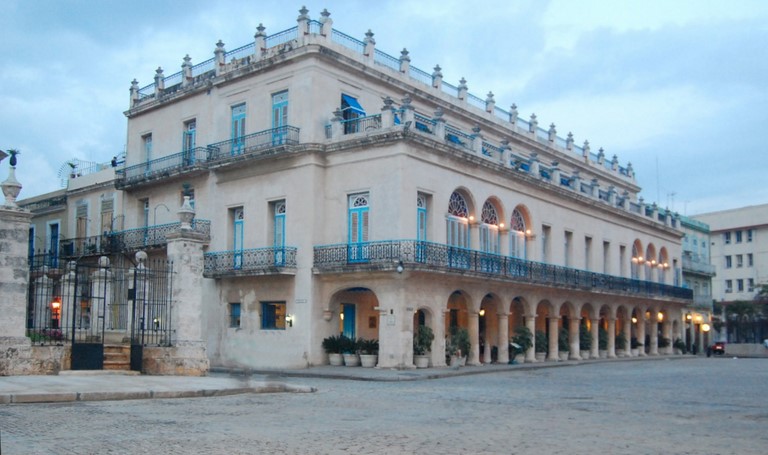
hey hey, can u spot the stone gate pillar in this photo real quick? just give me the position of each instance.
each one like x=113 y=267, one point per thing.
x=530 y=323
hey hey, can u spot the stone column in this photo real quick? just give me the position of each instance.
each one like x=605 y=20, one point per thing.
x=573 y=338
x=530 y=322
x=666 y=332
x=628 y=336
x=188 y=354
x=641 y=333
x=326 y=24
x=395 y=326
x=594 y=349
x=701 y=349
x=15 y=347
x=370 y=45
x=611 y=338
x=437 y=77
x=473 y=357
x=503 y=356
x=405 y=61
x=654 y=328
x=553 y=355
x=487 y=349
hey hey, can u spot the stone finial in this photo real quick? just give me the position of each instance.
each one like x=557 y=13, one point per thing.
x=437 y=77
x=533 y=124
x=405 y=61
x=11 y=187
x=134 y=91
x=630 y=171
x=324 y=15
x=490 y=103
x=463 y=89
x=586 y=149
x=388 y=102
x=569 y=141
x=552 y=133
x=186 y=214
x=370 y=44
x=159 y=81
x=260 y=31
x=303 y=16
x=326 y=23
x=601 y=156
x=513 y=114
x=186 y=71
x=369 y=37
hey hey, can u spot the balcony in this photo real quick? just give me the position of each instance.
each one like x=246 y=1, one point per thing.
x=258 y=261
x=692 y=265
x=267 y=142
x=427 y=256
x=151 y=236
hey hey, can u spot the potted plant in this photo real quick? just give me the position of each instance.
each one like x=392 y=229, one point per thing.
x=369 y=352
x=585 y=341
x=332 y=346
x=542 y=343
x=522 y=341
x=563 y=346
x=679 y=346
x=635 y=347
x=349 y=351
x=621 y=343
x=602 y=342
x=457 y=346
x=422 y=344
x=664 y=343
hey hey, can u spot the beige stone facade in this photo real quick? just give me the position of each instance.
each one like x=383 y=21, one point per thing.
x=348 y=192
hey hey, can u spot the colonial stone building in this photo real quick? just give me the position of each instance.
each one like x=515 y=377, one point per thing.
x=698 y=272
x=349 y=192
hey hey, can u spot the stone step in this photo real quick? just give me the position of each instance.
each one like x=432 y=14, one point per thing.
x=117 y=357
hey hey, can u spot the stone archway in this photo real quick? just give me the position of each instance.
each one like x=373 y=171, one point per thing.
x=489 y=328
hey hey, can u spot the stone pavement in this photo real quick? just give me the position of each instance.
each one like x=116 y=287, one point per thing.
x=72 y=386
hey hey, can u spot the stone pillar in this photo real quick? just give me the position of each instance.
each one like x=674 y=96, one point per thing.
x=535 y=165
x=505 y=155
x=490 y=103
x=556 y=173
x=405 y=61
x=513 y=115
x=611 y=338
x=159 y=82
x=487 y=343
x=186 y=71
x=220 y=58
x=533 y=124
x=15 y=347
x=594 y=349
x=654 y=328
x=303 y=22
x=409 y=117
x=326 y=24
x=67 y=295
x=530 y=322
x=395 y=326
x=628 y=336
x=473 y=357
x=553 y=355
x=387 y=114
x=134 y=92
x=437 y=77
x=260 y=42
x=101 y=296
x=476 y=140
x=641 y=333
x=701 y=349
x=569 y=141
x=439 y=124
x=552 y=133
x=503 y=342
x=336 y=128
x=573 y=338
x=666 y=332
x=370 y=45
x=462 y=93
x=586 y=151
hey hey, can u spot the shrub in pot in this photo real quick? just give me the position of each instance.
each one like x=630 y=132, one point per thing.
x=522 y=341
x=585 y=341
x=457 y=346
x=542 y=345
x=621 y=342
x=369 y=352
x=422 y=344
x=349 y=351
x=563 y=346
x=602 y=342
x=333 y=346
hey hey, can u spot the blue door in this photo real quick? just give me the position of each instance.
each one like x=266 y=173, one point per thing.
x=421 y=228
x=53 y=249
x=358 y=228
x=279 y=241
x=279 y=117
x=237 y=244
x=349 y=320
x=238 y=129
x=188 y=143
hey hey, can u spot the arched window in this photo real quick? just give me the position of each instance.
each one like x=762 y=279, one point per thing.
x=489 y=229
x=517 y=235
x=457 y=224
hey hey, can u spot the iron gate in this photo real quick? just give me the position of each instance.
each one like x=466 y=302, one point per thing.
x=93 y=304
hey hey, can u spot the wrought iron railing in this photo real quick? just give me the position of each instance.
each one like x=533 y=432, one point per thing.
x=254 y=143
x=86 y=246
x=177 y=162
x=361 y=124
x=151 y=236
x=246 y=262
x=434 y=256
x=691 y=264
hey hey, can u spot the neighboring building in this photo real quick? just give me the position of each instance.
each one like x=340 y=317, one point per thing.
x=698 y=272
x=349 y=192
x=739 y=250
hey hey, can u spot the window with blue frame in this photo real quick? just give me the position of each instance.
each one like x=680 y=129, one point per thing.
x=517 y=231
x=358 y=227
x=279 y=117
x=457 y=232
x=234 y=315
x=238 y=219
x=146 y=143
x=238 y=129
x=278 y=241
x=188 y=142
x=351 y=110
x=273 y=315
x=421 y=226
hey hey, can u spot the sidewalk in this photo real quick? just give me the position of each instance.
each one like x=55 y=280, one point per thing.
x=72 y=386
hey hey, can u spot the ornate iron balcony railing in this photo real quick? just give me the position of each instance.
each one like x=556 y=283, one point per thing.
x=433 y=256
x=178 y=162
x=253 y=144
x=258 y=261
x=151 y=236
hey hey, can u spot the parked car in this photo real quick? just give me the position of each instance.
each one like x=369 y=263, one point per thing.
x=718 y=348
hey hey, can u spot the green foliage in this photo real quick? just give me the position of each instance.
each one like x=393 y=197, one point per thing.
x=585 y=338
x=334 y=344
x=678 y=344
x=663 y=342
x=366 y=346
x=458 y=343
x=621 y=341
x=562 y=340
x=523 y=338
x=602 y=339
x=541 y=341
x=422 y=340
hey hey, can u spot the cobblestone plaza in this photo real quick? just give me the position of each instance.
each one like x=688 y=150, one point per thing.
x=684 y=406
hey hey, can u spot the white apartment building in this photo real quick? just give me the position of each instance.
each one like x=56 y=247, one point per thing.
x=739 y=250
x=343 y=190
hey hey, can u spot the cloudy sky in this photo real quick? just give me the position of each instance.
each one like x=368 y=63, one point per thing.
x=678 y=88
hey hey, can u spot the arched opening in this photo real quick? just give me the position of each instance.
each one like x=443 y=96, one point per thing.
x=488 y=329
x=637 y=261
x=353 y=313
x=587 y=333
x=519 y=232
x=568 y=332
x=457 y=326
x=545 y=338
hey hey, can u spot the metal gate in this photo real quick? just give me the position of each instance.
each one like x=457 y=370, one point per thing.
x=91 y=305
